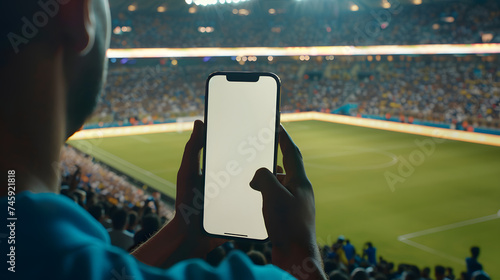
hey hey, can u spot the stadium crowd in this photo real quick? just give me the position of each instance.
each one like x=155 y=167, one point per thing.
x=445 y=23
x=440 y=89
x=119 y=205
x=131 y=216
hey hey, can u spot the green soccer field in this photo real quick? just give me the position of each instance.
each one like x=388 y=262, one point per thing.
x=418 y=200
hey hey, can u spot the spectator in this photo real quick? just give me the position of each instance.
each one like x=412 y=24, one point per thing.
x=359 y=274
x=338 y=251
x=426 y=274
x=439 y=273
x=149 y=226
x=257 y=257
x=350 y=251
x=119 y=236
x=216 y=256
x=480 y=275
x=370 y=253
x=97 y=212
x=472 y=263
x=338 y=275
x=449 y=273
x=132 y=221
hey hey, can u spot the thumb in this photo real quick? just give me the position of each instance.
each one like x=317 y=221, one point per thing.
x=190 y=159
x=265 y=182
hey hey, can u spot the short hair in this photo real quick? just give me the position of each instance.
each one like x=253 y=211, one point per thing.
x=330 y=266
x=426 y=272
x=215 y=256
x=410 y=275
x=150 y=223
x=439 y=270
x=132 y=217
x=359 y=274
x=96 y=211
x=338 y=275
x=257 y=257
x=120 y=219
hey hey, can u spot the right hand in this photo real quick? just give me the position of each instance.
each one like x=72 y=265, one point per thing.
x=289 y=214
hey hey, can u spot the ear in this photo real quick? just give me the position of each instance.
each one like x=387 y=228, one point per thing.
x=77 y=18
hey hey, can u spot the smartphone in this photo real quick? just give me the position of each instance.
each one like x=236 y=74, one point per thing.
x=242 y=117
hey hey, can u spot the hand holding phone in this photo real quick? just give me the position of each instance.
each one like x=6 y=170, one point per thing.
x=289 y=213
x=241 y=117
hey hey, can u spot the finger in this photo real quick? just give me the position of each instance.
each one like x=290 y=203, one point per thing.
x=191 y=158
x=292 y=158
x=265 y=182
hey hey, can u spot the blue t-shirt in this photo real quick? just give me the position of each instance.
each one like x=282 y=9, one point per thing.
x=57 y=239
x=371 y=252
x=349 y=251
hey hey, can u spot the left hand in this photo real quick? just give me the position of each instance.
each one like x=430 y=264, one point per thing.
x=189 y=197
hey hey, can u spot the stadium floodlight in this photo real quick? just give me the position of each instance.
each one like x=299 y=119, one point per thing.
x=386 y=4
x=490 y=48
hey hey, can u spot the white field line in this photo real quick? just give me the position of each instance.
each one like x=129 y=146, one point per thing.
x=406 y=237
x=134 y=167
x=448 y=227
x=432 y=251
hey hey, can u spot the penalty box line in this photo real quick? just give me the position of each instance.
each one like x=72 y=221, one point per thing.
x=406 y=237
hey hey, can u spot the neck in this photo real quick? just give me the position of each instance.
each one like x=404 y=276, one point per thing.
x=30 y=145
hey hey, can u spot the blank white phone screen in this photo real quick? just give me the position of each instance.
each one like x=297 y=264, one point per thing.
x=241 y=126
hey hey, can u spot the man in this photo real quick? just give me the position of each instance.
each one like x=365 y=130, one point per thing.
x=472 y=263
x=439 y=273
x=350 y=251
x=370 y=253
x=118 y=235
x=51 y=70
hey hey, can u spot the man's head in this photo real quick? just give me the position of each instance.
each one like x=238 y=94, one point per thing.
x=97 y=212
x=426 y=273
x=132 y=219
x=78 y=30
x=52 y=68
x=474 y=251
x=439 y=272
x=120 y=219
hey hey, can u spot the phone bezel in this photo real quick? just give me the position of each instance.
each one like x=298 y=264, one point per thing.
x=239 y=76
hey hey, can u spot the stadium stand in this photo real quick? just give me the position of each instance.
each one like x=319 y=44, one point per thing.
x=459 y=91
x=431 y=23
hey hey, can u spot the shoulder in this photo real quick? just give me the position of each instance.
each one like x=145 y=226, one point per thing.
x=236 y=265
